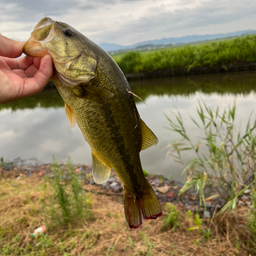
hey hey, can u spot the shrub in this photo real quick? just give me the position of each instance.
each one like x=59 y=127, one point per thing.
x=69 y=202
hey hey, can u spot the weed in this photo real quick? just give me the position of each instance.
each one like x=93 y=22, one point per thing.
x=69 y=202
x=170 y=177
x=207 y=233
x=196 y=242
x=237 y=242
x=148 y=244
x=198 y=222
x=251 y=222
x=44 y=242
x=145 y=173
x=230 y=157
x=172 y=218
x=110 y=249
x=131 y=243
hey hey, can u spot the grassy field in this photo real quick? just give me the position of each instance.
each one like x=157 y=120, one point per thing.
x=223 y=52
x=25 y=206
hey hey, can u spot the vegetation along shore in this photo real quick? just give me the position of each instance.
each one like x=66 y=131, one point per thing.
x=83 y=218
x=231 y=55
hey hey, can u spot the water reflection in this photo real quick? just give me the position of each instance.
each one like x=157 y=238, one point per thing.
x=37 y=126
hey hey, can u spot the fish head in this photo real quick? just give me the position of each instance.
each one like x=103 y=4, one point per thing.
x=73 y=61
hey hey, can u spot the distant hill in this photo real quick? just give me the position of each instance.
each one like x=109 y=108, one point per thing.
x=176 y=40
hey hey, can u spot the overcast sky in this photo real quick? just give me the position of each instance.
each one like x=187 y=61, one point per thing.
x=127 y=22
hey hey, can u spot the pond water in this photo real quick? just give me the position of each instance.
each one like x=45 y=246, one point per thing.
x=37 y=127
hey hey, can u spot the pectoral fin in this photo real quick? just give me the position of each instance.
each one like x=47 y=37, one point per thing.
x=70 y=116
x=100 y=171
x=91 y=93
x=148 y=137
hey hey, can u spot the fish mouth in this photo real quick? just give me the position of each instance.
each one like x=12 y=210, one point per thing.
x=42 y=33
x=43 y=41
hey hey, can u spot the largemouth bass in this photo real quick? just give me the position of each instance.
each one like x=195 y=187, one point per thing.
x=98 y=98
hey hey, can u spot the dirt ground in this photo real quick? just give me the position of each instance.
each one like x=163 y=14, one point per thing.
x=107 y=232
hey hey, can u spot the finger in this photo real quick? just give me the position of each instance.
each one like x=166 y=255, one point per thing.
x=24 y=67
x=20 y=73
x=9 y=89
x=3 y=64
x=23 y=62
x=10 y=48
x=20 y=63
x=41 y=78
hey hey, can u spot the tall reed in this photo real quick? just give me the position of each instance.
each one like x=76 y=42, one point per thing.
x=228 y=160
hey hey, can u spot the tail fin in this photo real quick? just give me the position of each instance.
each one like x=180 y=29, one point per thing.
x=140 y=207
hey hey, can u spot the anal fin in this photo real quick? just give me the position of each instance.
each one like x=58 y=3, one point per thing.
x=148 y=137
x=100 y=171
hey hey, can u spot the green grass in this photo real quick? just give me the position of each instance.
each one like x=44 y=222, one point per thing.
x=172 y=218
x=69 y=202
x=207 y=54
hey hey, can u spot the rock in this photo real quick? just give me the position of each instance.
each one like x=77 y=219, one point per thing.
x=164 y=189
x=41 y=174
x=245 y=198
x=247 y=191
x=113 y=184
x=155 y=182
x=8 y=167
x=162 y=198
x=170 y=194
x=116 y=188
x=207 y=214
x=50 y=175
x=191 y=208
x=92 y=182
x=240 y=203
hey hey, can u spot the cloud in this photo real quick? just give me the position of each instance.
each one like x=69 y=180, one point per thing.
x=127 y=21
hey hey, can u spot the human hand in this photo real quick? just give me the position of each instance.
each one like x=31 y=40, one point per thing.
x=24 y=76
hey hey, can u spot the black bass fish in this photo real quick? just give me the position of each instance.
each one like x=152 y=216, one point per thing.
x=98 y=98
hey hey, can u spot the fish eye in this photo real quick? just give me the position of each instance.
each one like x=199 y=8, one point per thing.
x=67 y=32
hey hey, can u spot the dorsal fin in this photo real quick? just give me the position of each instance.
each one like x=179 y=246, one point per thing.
x=100 y=171
x=70 y=116
x=148 y=137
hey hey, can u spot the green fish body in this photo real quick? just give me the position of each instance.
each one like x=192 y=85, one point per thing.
x=98 y=98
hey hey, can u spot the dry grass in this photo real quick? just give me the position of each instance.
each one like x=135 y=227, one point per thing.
x=107 y=233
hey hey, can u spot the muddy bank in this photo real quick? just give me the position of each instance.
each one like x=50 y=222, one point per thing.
x=165 y=189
